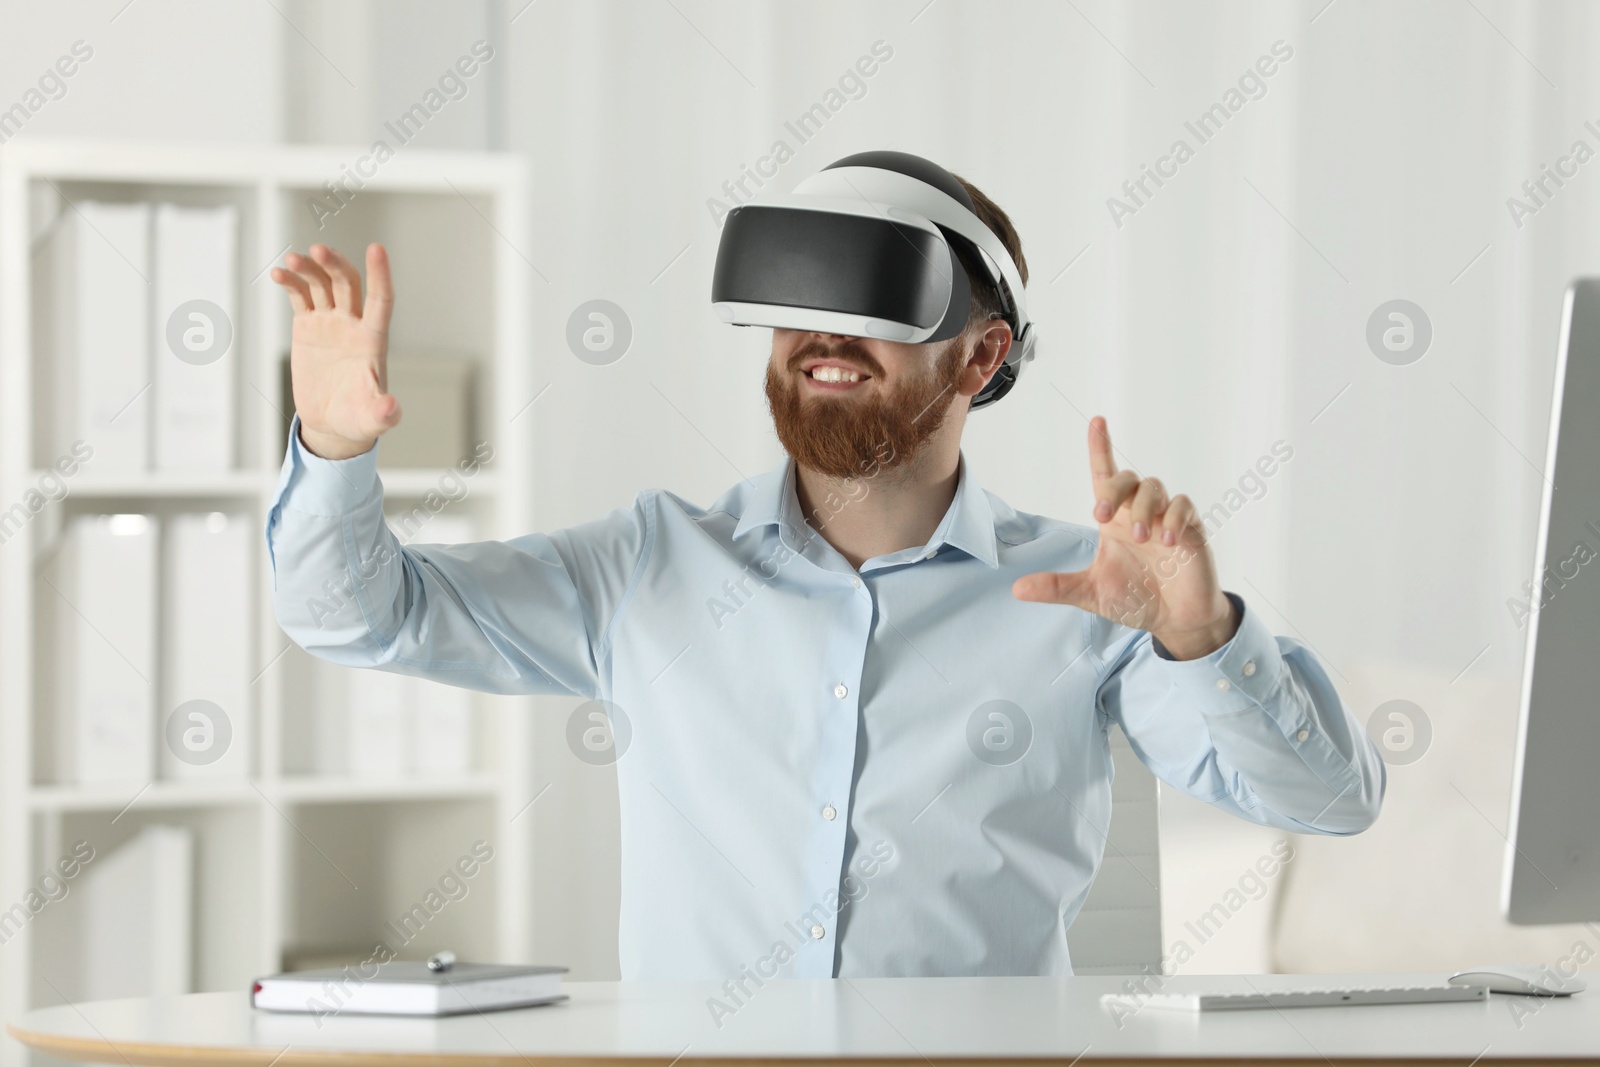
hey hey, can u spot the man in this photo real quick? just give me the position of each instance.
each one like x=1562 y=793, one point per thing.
x=860 y=704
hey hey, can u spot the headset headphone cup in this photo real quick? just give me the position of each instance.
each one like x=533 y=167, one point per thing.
x=1005 y=376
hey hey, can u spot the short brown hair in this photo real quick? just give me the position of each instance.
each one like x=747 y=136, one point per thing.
x=985 y=298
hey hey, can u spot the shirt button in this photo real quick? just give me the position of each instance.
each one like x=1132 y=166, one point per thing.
x=1249 y=667
x=817 y=932
x=829 y=812
x=855 y=581
x=840 y=690
x=1222 y=684
x=1302 y=735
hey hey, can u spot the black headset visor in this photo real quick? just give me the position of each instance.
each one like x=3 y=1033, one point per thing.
x=846 y=264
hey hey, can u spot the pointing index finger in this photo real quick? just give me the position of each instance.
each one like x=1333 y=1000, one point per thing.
x=380 y=288
x=1101 y=464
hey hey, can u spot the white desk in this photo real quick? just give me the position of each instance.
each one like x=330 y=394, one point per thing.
x=905 y=1020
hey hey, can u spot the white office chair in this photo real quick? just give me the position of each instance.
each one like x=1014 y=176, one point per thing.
x=1119 y=929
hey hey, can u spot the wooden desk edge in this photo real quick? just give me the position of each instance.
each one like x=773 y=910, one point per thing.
x=152 y=1055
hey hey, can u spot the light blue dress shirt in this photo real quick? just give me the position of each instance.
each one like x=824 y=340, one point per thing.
x=825 y=772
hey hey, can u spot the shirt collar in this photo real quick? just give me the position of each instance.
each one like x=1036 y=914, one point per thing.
x=968 y=524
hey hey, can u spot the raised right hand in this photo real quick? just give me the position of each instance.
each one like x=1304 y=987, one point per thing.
x=339 y=350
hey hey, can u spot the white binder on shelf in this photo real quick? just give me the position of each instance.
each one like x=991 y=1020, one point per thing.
x=194 y=346
x=98 y=271
x=398 y=724
x=106 y=612
x=377 y=717
x=136 y=901
x=441 y=727
x=207 y=580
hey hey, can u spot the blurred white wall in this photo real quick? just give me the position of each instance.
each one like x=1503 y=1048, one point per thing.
x=1227 y=313
x=158 y=68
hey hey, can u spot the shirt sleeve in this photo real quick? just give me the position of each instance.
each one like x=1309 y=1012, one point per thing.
x=1256 y=728
x=534 y=614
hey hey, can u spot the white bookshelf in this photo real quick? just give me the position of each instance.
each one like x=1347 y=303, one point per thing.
x=277 y=854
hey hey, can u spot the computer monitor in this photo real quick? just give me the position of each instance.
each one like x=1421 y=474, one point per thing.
x=1552 y=865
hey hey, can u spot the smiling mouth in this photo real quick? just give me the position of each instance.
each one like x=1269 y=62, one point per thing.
x=835 y=379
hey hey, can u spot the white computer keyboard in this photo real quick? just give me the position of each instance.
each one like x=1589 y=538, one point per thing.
x=1299 y=998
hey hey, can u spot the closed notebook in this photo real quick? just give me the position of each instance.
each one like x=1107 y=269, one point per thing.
x=404 y=987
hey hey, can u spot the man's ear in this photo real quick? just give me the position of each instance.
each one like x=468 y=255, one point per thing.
x=988 y=353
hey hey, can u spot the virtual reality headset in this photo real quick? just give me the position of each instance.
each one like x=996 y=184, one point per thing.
x=874 y=245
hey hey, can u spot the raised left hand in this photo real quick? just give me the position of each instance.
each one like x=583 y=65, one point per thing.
x=1152 y=569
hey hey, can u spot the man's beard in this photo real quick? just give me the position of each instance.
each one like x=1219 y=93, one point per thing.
x=848 y=436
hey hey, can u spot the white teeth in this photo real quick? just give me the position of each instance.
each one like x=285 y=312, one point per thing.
x=835 y=374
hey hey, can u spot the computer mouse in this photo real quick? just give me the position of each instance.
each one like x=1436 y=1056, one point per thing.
x=1532 y=979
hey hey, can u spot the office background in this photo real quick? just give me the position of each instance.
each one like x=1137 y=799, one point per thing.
x=1224 y=312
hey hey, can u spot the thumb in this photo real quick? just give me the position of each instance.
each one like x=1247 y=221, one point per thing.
x=1074 y=588
x=381 y=415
